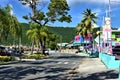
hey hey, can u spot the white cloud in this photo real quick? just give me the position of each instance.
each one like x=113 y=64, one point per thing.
x=93 y=1
x=11 y=6
x=95 y=26
x=77 y=16
x=98 y=11
x=11 y=12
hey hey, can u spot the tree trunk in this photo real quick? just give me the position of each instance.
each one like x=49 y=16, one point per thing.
x=32 y=48
x=42 y=43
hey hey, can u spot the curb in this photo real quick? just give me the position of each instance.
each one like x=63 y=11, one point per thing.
x=10 y=62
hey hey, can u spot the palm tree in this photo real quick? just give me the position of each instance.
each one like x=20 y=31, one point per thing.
x=86 y=26
x=16 y=31
x=44 y=34
x=13 y=24
x=4 y=22
x=8 y=23
x=37 y=35
x=33 y=34
x=88 y=19
x=80 y=28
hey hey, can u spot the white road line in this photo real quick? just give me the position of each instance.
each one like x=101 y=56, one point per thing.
x=59 y=62
x=73 y=63
x=65 y=62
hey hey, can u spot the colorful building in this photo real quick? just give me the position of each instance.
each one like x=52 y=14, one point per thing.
x=115 y=37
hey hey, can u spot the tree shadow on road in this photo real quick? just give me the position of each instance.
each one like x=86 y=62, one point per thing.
x=20 y=73
x=112 y=74
x=69 y=57
x=36 y=70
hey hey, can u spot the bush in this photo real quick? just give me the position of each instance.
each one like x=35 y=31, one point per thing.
x=5 y=58
x=34 y=56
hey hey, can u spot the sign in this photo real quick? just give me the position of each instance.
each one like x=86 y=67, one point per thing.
x=107 y=29
x=97 y=39
x=107 y=21
x=107 y=35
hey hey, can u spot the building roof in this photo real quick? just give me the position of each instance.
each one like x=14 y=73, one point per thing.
x=114 y=31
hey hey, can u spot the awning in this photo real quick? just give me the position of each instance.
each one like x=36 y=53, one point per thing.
x=79 y=43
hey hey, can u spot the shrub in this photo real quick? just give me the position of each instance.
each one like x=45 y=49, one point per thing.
x=34 y=56
x=5 y=58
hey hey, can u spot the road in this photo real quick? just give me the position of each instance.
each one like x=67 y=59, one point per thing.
x=53 y=68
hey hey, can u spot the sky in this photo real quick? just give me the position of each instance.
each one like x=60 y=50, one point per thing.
x=76 y=9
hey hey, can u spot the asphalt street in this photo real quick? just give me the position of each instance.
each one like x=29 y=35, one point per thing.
x=58 y=66
x=53 y=68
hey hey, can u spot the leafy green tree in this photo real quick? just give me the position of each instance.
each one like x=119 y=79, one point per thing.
x=33 y=34
x=51 y=41
x=4 y=24
x=9 y=24
x=57 y=11
x=14 y=26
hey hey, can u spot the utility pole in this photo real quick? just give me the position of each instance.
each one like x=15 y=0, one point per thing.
x=109 y=9
x=109 y=15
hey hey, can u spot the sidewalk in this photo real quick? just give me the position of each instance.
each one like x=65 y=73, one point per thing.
x=94 y=69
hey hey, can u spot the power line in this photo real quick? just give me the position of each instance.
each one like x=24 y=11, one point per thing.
x=115 y=1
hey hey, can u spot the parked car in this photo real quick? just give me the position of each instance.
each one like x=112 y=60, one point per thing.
x=15 y=50
x=46 y=51
x=116 y=51
x=3 y=51
x=11 y=51
x=20 y=51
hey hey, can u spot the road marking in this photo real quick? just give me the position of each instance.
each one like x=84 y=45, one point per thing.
x=65 y=62
x=74 y=63
x=59 y=62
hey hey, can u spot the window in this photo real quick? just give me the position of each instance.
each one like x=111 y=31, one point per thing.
x=117 y=35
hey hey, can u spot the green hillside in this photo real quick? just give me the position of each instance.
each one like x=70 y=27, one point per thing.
x=66 y=33
x=25 y=40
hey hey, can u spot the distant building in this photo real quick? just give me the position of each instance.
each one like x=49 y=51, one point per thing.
x=62 y=44
x=115 y=37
